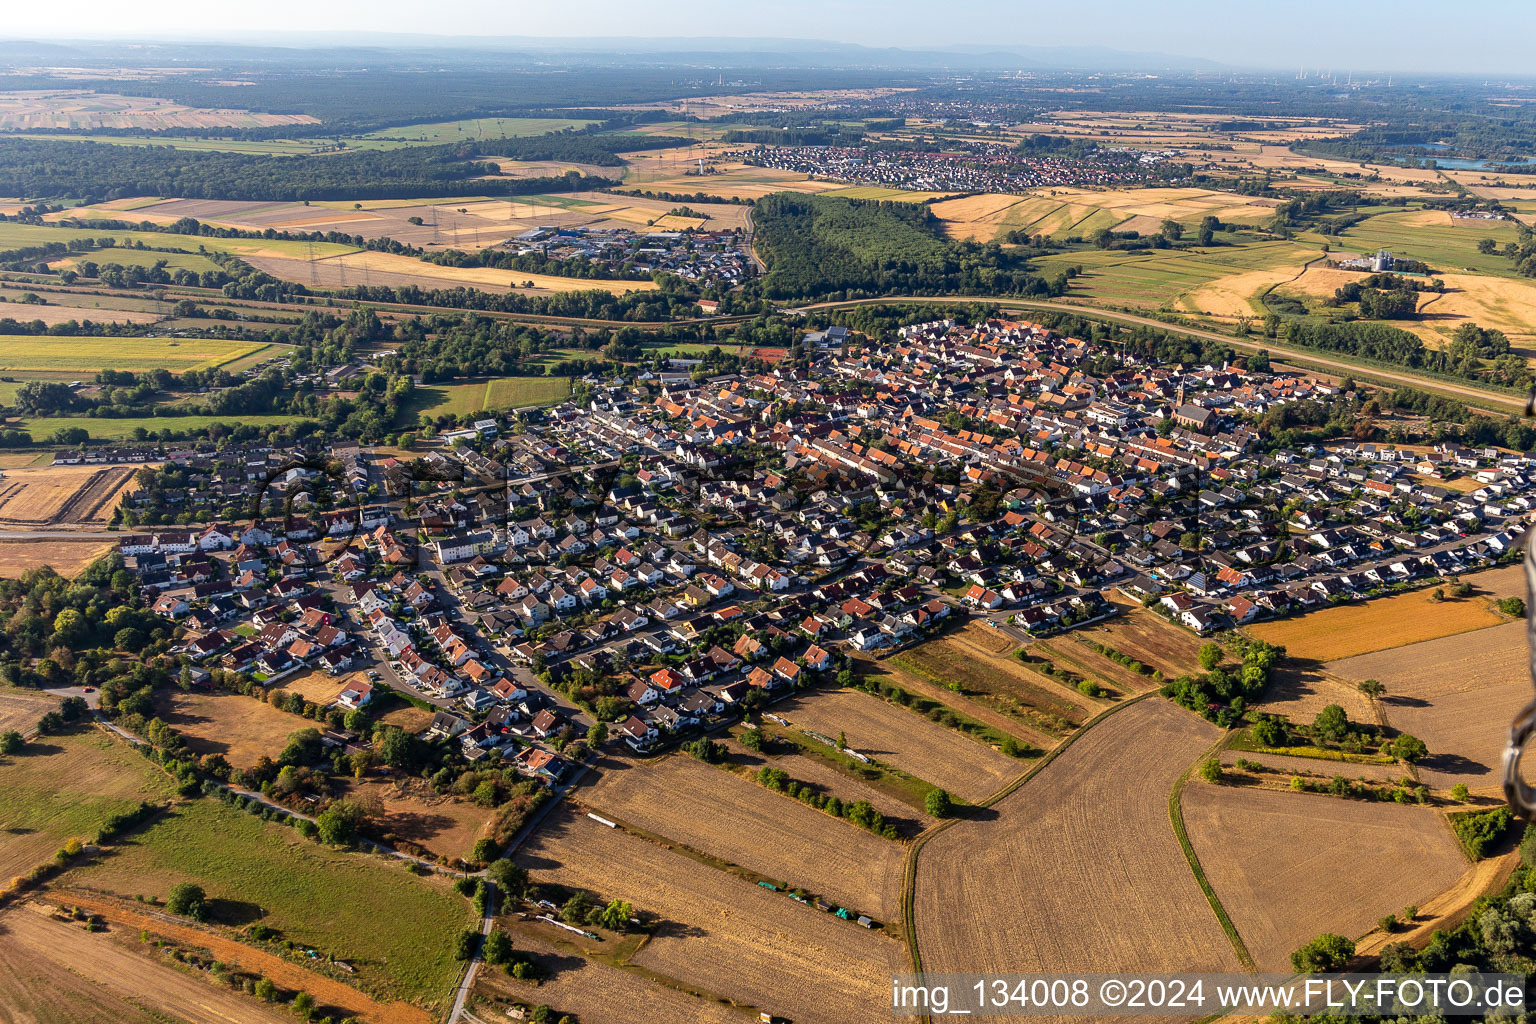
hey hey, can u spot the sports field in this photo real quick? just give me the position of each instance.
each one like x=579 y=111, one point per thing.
x=86 y=355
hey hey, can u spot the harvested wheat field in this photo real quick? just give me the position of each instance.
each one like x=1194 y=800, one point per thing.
x=594 y=992
x=820 y=776
x=723 y=815
x=1080 y=869
x=1071 y=653
x=932 y=752
x=1005 y=714
x=1458 y=694
x=414 y=816
x=242 y=729
x=62 y=495
x=1289 y=866
x=53 y=971
x=382 y=268
x=721 y=933
x=1448 y=909
x=20 y=709
x=1300 y=689
x=68 y=558
x=1148 y=638
x=1239 y=294
x=65 y=787
x=1292 y=764
x=1346 y=630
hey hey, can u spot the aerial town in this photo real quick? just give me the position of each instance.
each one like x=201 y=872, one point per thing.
x=793 y=516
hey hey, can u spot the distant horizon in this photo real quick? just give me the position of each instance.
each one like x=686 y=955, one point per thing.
x=1412 y=37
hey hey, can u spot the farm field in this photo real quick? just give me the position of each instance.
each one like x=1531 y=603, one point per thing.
x=1431 y=236
x=86 y=355
x=66 y=786
x=327 y=900
x=14 y=235
x=438 y=132
x=126 y=257
x=319 y=685
x=1289 y=866
x=1456 y=694
x=21 y=708
x=68 y=558
x=979 y=658
x=932 y=752
x=53 y=971
x=594 y=992
x=461 y=222
x=1068 y=653
x=414 y=814
x=1152 y=277
x=198 y=144
x=62 y=496
x=1300 y=689
x=721 y=933
x=85 y=108
x=51 y=314
x=242 y=729
x=667 y=170
x=1149 y=638
x=721 y=814
x=391 y=269
x=824 y=778
x=987 y=216
x=1346 y=630
x=493 y=395
x=120 y=429
x=1086 y=841
x=1505 y=303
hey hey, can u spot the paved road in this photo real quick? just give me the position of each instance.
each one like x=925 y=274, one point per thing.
x=467 y=983
x=58 y=535
x=1277 y=349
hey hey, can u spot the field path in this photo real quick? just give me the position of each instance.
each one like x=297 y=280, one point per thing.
x=285 y=974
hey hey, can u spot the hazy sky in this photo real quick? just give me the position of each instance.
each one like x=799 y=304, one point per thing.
x=1492 y=37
